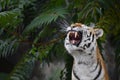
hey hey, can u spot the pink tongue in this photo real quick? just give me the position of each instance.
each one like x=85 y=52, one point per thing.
x=73 y=41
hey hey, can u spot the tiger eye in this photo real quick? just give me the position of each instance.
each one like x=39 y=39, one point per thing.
x=73 y=26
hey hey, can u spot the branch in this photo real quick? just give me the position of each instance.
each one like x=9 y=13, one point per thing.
x=35 y=44
x=41 y=43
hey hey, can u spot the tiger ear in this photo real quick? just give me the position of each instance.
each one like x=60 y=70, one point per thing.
x=98 y=33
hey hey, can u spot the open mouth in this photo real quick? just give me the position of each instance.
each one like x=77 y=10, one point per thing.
x=75 y=37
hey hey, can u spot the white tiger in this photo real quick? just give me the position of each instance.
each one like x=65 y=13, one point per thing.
x=81 y=43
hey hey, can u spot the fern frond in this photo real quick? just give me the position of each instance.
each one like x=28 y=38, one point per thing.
x=9 y=18
x=46 y=18
x=24 y=68
x=7 y=47
x=91 y=10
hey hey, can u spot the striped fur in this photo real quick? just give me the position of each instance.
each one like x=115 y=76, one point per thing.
x=80 y=42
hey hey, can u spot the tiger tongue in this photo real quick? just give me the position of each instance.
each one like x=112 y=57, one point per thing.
x=74 y=42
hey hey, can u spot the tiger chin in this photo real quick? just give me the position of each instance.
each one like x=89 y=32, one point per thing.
x=81 y=44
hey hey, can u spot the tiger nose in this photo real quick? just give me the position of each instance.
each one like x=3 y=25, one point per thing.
x=69 y=28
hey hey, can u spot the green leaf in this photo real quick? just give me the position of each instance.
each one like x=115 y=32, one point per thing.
x=46 y=18
x=9 y=18
x=7 y=47
x=23 y=69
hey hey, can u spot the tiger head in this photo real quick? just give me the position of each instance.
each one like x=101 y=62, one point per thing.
x=81 y=38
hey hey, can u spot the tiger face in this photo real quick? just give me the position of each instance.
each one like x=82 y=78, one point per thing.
x=81 y=38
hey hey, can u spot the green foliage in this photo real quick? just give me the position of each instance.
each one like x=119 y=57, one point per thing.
x=46 y=18
x=57 y=50
x=44 y=51
x=90 y=12
x=23 y=69
x=9 y=19
x=7 y=47
x=11 y=12
x=43 y=33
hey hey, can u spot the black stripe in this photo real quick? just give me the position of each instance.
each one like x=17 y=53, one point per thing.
x=89 y=35
x=82 y=63
x=92 y=49
x=95 y=67
x=87 y=45
x=75 y=75
x=98 y=72
x=67 y=43
x=93 y=38
x=87 y=40
x=78 y=44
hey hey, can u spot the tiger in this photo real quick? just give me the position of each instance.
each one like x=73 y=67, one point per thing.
x=81 y=43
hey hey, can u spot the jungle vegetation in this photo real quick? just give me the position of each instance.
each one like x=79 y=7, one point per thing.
x=37 y=24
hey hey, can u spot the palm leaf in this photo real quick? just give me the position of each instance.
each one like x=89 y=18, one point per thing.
x=46 y=18
x=24 y=68
x=92 y=11
x=9 y=18
x=7 y=47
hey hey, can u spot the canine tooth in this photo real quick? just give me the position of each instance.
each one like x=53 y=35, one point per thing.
x=68 y=33
x=75 y=34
